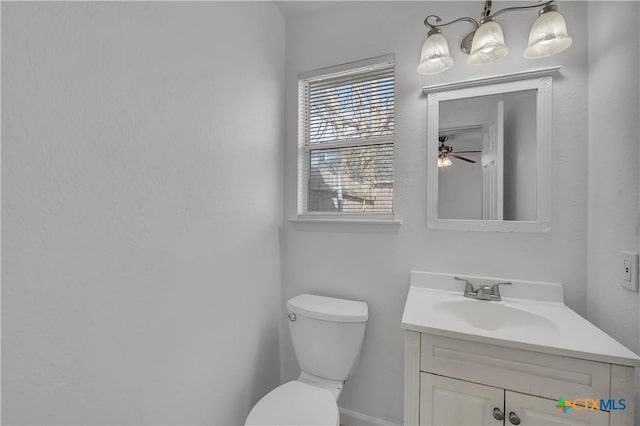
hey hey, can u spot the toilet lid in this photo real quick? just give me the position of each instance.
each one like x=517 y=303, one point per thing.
x=295 y=403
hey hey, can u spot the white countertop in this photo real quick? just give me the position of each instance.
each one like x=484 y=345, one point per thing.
x=541 y=322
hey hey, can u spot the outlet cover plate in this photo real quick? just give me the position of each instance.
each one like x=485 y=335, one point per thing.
x=628 y=265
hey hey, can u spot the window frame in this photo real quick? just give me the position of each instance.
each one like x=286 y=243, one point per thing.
x=304 y=148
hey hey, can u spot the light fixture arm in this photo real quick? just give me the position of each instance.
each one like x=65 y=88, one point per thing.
x=541 y=6
x=465 y=44
x=486 y=12
x=439 y=19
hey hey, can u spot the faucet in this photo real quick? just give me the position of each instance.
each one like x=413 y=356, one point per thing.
x=484 y=292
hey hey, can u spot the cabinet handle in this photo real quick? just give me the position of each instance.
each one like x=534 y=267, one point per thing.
x=514 y=419
x=498 y=414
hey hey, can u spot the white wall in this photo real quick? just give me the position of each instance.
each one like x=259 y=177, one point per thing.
x=141 y=205
x=372 y=263
x=614 y=150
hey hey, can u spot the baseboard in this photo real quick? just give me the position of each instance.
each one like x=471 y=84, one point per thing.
x=352 y=418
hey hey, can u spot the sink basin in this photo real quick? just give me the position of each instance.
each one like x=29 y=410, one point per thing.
x=491 y=315
x=531 y=316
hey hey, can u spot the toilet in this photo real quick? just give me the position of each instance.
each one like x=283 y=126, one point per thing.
x=327 y=336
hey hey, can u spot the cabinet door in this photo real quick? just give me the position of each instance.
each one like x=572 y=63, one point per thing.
x=445 y=401
x=535 y=411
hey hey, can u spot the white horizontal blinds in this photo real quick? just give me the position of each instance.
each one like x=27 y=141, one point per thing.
x=348 y=141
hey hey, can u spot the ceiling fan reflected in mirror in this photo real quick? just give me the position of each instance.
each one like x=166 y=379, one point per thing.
x=446 y=151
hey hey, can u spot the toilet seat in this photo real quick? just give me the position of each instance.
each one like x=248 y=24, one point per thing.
x=295 y=403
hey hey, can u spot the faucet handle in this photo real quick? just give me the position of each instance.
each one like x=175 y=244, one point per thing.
x=468 y=287
x=495 y=289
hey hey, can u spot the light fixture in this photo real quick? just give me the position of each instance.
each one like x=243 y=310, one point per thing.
x=485 y=44
x=548 y=35
x=435 y=57
x=488 y=43
x=444 y=160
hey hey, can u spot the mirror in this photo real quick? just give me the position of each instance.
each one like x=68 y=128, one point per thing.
x=488 y=145
x=491 y=145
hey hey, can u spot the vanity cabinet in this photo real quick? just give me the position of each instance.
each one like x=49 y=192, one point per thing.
x=450 y=381
x=446 y=401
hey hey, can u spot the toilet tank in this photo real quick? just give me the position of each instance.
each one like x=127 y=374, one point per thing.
x=327 y=334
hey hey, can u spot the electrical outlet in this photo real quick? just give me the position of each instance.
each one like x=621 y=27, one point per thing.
x=626 y=273
x=629 y=270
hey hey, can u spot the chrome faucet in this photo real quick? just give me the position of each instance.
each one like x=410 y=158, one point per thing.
x=484 y=292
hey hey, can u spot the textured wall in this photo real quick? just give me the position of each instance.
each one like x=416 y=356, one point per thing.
x=614 y=152
x=372 y=263
x=141 y=202
x=614 y=155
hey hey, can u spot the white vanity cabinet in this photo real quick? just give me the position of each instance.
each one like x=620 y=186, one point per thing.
x=442 y=400
x=533 y=410
x=451 y=381
x=507 y=362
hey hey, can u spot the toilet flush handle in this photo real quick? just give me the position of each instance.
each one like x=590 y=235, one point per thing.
x=292 y=317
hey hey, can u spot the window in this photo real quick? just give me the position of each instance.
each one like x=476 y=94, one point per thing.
x=346 y=135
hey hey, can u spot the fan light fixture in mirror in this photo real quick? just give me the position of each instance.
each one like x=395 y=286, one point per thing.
x=485 y=44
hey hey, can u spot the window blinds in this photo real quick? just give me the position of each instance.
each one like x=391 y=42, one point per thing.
x=347 y=134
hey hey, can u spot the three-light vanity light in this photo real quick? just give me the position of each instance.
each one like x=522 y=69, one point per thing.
x=485 y=44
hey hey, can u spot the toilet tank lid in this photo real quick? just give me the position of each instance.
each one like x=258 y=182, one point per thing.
x=328 y=308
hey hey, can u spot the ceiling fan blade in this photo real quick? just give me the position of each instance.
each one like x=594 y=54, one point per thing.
x=468 y=152
x=461 y=158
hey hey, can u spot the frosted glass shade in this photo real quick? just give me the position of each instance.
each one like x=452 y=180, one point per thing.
x=488 y=44
x=548 y=36
x=434 y=57
x=444 y=161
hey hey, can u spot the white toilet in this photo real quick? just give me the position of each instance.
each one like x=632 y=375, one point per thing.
x=327 y=335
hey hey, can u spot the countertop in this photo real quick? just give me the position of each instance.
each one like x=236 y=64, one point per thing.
x=546 y=325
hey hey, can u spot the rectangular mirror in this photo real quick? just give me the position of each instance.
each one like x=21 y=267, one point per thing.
x=488 y=153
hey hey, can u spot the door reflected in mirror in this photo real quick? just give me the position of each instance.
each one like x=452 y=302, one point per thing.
x=489 y=153
x=487 y=157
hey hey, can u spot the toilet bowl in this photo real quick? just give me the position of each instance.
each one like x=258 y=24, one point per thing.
x=295 y=403
x=327 y=335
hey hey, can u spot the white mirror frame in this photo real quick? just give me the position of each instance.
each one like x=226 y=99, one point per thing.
x=539 y=80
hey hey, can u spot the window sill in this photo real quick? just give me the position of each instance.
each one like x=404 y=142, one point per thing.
x=347 y=220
